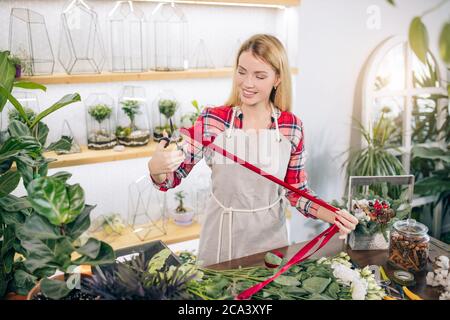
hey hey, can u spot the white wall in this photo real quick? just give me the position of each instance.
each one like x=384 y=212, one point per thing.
x=333 y=43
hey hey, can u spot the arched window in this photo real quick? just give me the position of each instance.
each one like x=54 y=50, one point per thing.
x=400 y=86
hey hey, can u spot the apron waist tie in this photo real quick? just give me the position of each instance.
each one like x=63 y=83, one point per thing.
x=230 y=211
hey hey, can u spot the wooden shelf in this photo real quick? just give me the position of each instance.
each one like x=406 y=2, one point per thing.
x=287 y=3
x=133 y=76
x=87 y=156
x=174 y=234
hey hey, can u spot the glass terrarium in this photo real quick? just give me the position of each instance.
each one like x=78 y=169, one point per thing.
x=132 y=129
x=30 y=103
x=147 y=209
x=67 y=134
x=201 y=58
x=29 y=42
x=100 y=121
x=126 y=23
x=80 y=47
x=165 y=107
x=169 y=38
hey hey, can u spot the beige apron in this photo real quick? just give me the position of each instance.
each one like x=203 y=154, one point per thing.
x=245 y=213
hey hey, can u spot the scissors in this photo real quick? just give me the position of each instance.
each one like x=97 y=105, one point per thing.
x=175 y=135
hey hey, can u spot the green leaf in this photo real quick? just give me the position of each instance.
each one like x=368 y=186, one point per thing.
x=317 y=296
x=272 y=259
x=50 y=199
x=158 y=261
x=418 y=39
x=66 y=100
x=105 y=256
x=13 y=203
x=18 y=129
x=76 y=200
x=63 y=176
x=39 y=254
x=91 y=249
x=76 y=228
x=41 y=132
x=391 y=2
x=9 y=182
x=29 y=85
x=54 y=289
x=37 y=227
x=7 y=72
x=432 y=153
x=63 y=144
x=287 y=281
x=316 y=284
x=444 y=43
x=432 y=185
x=24 y=281
x=16 y=104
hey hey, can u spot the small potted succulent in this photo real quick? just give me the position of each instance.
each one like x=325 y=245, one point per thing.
x=100 y=125
x=132 y=134
x=182 y=215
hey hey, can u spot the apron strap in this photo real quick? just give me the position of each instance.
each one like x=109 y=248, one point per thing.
x=231 y=127
x=230 y=211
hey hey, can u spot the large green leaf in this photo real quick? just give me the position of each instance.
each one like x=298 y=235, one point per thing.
x=52 y=199
x=62 y=176
x=29 y=85
x=37 y=227
x=8 y=182
x=23 y=281
x=40 y=132
x=66 y=100
x=12 y=203
x=7 y=75
x=432 y=153
x=432 y=185
x=90 y=249
x=444 y=43
x=39 y=254
x=76 y=228
x=54 y=289
x=106 y=255
x=418 y=39
x=18 y=129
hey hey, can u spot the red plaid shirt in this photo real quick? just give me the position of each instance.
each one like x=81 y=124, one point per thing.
x=215 y=120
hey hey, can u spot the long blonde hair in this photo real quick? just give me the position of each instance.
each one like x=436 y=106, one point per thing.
x=269 y=49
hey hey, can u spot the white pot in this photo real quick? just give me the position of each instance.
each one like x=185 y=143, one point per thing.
x=184 y=218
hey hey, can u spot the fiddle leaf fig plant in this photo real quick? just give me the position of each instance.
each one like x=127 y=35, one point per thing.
x=39 y=232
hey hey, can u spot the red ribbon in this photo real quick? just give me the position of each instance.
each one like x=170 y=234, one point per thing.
x=300 y=256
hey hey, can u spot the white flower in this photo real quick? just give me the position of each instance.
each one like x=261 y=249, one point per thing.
x=442 y=262
x=445 y=295
x=344 y=273
x=359 y=289
x=430 y=278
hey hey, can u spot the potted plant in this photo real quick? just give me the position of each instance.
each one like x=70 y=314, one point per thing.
x=188 y=120
x=15 y=60
x=182 y=215
x=167 y=108
x=132 y=135
x=376 y=215
x=100 y=135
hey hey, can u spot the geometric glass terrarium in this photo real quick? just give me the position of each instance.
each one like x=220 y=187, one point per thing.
x=100 y=121
x=169 y=35
x=67 y=134
x=132 y=127
x=29 y=41
x=146 y=209
x=30 y=103
x=201 y=58
x=165 y=107
x=80 y=48
x=126 y=24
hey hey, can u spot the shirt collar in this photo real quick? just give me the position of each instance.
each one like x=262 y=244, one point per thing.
x=240 y=114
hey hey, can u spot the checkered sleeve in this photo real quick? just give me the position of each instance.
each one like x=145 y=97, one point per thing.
x=296 y=175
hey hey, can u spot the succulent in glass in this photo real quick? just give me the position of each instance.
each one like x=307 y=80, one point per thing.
x=167 y=107
x=189 y=119
x=100 y=122
x=133 y=134
x=182 y=214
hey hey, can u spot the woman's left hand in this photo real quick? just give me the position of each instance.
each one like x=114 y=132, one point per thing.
x=345 y=222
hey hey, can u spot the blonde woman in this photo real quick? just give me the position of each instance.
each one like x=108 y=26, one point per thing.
x=245 y=213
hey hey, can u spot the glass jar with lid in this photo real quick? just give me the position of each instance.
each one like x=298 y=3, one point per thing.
x=409 y=245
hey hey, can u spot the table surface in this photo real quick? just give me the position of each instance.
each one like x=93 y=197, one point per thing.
x=361 y=258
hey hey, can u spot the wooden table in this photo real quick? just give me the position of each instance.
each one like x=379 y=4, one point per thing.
x=360 y=258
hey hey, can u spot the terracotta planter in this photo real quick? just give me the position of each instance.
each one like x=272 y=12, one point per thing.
x=15 y=296
x=37 y=288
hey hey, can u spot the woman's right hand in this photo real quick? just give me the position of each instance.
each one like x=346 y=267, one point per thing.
x=164 y=161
